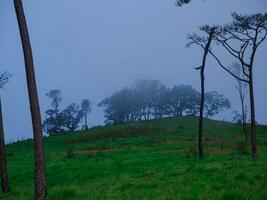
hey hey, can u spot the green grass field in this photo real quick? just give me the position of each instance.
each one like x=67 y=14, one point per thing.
x=153 y=160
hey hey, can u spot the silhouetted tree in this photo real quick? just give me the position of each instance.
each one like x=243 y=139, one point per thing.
x=183 y=99
x=148 y=91
x=241 y=39
x=205 y=43
x=118 y=107
x=56 y=97
x=4 y=77
x=53 y=124
x=86 y=109
x=58 y=121
x=72 y=116
x=39 y=152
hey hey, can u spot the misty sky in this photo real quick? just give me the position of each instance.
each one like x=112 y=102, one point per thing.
x=91 y=48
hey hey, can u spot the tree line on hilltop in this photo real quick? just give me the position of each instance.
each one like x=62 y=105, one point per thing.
x=150 y=99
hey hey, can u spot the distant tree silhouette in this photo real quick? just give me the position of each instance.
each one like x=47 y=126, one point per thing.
x=39 y=152
x=53 y=124
x=150 y=99
x=56 y=97
x=72 y=116
x=215 y=103
x=148 y=94
x=183 y=99
x=4 y=77
x=57 y=121
x=241 y=87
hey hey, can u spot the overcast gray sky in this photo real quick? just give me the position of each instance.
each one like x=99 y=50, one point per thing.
x=92 y=48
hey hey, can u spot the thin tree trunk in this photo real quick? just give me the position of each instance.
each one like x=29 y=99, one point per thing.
x=202 y=99
x=3 y=163
x=244 y=123
x=39 y=153
x=86 y=125
x=201 y=111
x=253 y=117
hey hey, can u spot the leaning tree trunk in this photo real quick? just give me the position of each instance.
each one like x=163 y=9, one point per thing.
x=202 y=99
x=39 y=153
x=253 y=117
x=3 y=165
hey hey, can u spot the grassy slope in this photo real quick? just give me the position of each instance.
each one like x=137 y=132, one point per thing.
x=146 y=160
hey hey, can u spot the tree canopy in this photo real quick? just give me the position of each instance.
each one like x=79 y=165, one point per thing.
x=150 y=99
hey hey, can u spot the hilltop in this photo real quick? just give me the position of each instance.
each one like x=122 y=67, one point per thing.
x=154 y=159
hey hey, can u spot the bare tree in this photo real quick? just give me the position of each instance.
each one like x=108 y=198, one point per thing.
x=205 y=43
x=4 y=77
x=241 y=39
x=241 y=87
x=39 y=152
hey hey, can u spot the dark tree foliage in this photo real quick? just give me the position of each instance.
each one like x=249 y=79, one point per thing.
x=149 y=94
x=54 y=122
x=71 y=117
x=57 y=121
x=183 y=100
x=182 y=2
x=150 y=99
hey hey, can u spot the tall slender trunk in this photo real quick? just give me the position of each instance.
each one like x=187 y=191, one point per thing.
x=252 y=105
x=201 y=111
x=39 y=153
x=253 y=117
x=3 y=163
x=202 y=98
x=244 y=118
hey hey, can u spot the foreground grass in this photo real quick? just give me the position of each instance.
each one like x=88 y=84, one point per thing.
x=153 y=160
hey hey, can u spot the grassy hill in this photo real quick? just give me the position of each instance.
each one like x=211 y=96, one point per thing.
x=155 y=160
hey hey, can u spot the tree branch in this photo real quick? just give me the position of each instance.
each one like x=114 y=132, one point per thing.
x=225 y=68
